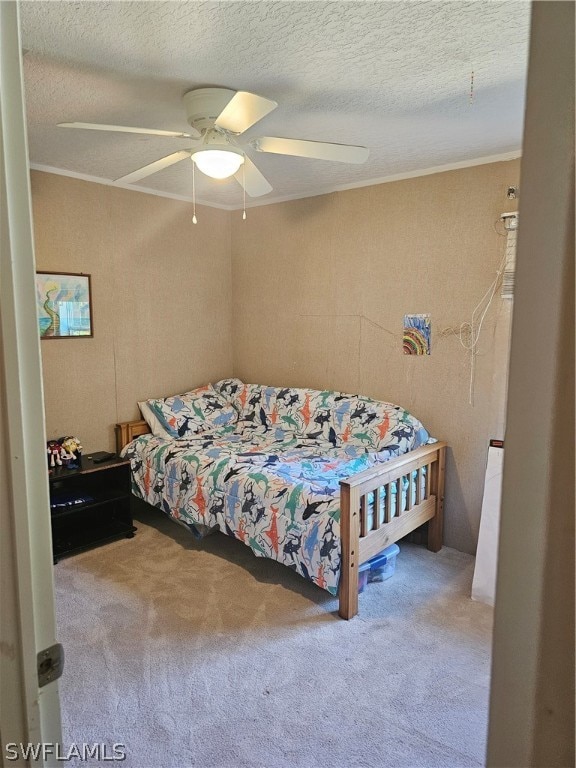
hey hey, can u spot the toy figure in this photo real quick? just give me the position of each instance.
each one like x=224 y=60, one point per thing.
x=64 y=452
x=71 y=451
x=54 y=451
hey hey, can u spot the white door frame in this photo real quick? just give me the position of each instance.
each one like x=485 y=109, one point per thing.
x=27 y=600
x=27 y=618
x=532 y=691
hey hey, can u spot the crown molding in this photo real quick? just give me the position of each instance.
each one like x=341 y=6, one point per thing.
x=130 y=187
x=504 y=157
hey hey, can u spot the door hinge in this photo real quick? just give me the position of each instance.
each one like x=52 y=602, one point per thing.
x=50 y=664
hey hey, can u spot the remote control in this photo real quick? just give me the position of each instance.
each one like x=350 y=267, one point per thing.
x=101 y=457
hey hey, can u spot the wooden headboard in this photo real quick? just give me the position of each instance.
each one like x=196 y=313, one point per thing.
x=126 y=431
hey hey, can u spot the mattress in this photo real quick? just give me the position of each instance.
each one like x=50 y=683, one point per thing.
x=277 y=492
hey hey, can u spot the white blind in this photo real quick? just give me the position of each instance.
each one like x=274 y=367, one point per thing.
x=510 y=266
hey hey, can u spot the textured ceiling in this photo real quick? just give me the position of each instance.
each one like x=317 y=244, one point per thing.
x=392 y=76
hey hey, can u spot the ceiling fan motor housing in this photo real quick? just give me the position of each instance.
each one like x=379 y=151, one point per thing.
x=203 y=105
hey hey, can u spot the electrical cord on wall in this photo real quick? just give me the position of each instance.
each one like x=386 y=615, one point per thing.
x=468 y=333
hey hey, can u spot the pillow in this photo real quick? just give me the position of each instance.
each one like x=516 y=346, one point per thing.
x=228 y=388
x=153 y=422
x=377 y=426
x=192 y=412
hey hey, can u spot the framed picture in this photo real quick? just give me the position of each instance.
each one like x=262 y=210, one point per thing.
x=64 y=305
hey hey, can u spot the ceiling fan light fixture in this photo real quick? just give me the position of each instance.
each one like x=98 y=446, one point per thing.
x=218 y=163
x=216 y=117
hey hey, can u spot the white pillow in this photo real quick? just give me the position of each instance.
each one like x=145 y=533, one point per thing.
x=156 y=426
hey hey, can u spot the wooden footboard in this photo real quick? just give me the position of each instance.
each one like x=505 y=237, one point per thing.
x=366 y=528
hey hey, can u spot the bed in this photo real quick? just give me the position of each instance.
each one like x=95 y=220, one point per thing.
x=320 y=481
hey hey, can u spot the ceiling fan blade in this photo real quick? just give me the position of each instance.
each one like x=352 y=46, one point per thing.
x=318 y=150
x=252 y=180
x=126 y=129
x=154 y=167
x=243 y=110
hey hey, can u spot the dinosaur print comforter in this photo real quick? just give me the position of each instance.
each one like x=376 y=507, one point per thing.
x=271 y=478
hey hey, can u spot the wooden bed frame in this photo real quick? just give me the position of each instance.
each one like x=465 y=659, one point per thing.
x=424 y=504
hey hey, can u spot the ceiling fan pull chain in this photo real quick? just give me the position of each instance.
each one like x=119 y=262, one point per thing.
x=194 y=219
x=244 y=188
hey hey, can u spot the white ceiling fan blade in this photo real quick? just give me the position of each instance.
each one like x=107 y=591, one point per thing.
x=243 y=110
x=156 y=166
x=317 y=150
x=252 y=180
x=127 y=129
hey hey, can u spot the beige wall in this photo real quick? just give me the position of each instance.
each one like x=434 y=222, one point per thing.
x=161 y=293
x=321 y=286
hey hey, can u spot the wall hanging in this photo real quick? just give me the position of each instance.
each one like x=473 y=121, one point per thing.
x=64 y=305
x=417 y=334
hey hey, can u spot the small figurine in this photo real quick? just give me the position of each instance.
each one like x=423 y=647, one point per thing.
x=71 y=451
x=54 y=451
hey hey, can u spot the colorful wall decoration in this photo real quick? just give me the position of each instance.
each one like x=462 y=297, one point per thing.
x=417 y=334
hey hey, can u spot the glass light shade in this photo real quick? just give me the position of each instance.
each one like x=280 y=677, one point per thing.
x=218 y=163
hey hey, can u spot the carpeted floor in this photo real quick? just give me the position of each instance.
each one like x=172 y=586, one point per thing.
x=203 y=656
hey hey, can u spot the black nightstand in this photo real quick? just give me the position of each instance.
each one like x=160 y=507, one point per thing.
x=90 y=506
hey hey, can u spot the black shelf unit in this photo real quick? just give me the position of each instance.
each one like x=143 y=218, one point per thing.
x=108 y=514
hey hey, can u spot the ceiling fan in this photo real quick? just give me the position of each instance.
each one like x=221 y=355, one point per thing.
x=217 y=116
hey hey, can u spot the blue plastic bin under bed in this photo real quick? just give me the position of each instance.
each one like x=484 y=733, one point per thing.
x=378 y=568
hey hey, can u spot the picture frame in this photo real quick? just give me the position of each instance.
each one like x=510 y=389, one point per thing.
x=64 y=305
